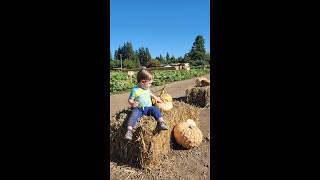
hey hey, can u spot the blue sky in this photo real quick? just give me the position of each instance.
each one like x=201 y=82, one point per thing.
x=161 y=25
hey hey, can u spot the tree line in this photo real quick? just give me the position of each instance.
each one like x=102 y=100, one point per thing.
x=142 y=57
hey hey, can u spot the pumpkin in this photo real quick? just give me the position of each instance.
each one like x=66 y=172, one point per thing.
x=166 y=97
x=165 y=106
x=154 y=102
x=191 y=122
x=187 y=135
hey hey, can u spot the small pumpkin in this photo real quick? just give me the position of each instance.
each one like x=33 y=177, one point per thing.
x=165 y=106
x=166 y=97
x=187 y=135
x=154 y=101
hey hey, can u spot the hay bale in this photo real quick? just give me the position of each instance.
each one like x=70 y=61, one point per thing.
x=148 y=146
x=198 y=96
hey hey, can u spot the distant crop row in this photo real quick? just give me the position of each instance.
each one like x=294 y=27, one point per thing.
x=120 y=81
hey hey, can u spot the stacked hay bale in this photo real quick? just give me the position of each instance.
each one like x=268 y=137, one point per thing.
x=200 y=94
x=148 y=146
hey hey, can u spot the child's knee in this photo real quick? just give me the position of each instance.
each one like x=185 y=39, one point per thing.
x=133 y=118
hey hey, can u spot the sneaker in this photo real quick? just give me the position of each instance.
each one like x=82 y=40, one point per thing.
x=128 y=135
x=163 y=126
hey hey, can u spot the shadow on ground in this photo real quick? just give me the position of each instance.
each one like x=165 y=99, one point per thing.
x=181 y=99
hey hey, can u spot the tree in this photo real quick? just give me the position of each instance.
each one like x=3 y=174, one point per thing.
x=143 y=55
x=167 y=56
x=207 y=57
x=186 y=58
x=128 y=52
x=148 y=55
x=161 y=58
x=114 y=64
x=198 y=51
x=173 y=58
x=116 y=53
x=129 y=64
x=153 y=63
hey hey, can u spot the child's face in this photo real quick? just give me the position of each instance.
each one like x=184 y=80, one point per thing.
x=146 y=83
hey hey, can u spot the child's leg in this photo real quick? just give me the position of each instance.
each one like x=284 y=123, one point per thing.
x=135 y=115
x=133 y=119
x=155 y=112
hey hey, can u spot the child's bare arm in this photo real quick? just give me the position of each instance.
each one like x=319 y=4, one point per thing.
x=132 y=102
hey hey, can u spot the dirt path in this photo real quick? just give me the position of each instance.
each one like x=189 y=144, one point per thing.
x=184 y=164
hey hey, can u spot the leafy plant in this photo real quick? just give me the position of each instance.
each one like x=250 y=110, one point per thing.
x=120 y=81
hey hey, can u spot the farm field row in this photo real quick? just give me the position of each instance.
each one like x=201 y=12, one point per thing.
x=121 y=82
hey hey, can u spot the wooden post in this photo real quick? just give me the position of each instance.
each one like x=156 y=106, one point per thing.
x=130 y=73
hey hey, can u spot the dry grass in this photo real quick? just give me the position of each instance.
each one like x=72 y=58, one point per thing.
x=198 y=96
x=149 y=145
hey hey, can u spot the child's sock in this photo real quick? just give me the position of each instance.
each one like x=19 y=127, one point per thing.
x=130 y=128
x=162 y=124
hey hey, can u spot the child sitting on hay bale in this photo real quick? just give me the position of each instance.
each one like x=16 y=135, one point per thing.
x=140 y=100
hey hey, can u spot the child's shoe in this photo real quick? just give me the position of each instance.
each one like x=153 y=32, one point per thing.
x=128 y=135
x=163 y=126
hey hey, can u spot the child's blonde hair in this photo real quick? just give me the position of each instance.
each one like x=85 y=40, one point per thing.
x=144 y=75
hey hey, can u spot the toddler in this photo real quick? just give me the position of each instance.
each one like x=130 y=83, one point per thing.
x=140 y=100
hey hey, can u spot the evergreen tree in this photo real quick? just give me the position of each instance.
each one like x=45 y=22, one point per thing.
x=167 y=56
x=117 y=53
x=110 y=56
x=198 y=51
x=126 y=51
x=207 y=57
x=161 y=58
x=148 y=55
x=143 y=55
x=130 y=52
x=186 y=58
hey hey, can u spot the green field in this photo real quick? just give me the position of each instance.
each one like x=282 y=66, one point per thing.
x=120 y=81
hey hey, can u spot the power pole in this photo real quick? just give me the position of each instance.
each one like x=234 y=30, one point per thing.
x=121 y=60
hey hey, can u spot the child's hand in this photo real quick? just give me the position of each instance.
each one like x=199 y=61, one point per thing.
x=159 y=100
x=135 y=104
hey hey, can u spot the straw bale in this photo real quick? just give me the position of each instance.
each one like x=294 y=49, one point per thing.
x=149 y=146
x=198 y=96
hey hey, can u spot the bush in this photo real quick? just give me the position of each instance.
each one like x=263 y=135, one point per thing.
x=153 y=63
x=199 y=63
x=115 y=64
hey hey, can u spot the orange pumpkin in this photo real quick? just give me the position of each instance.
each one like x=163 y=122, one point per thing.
x=166 y=98
x=154 y=102
x=187 y=135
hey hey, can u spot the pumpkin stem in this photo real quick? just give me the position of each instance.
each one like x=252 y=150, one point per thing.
x=162 y=91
